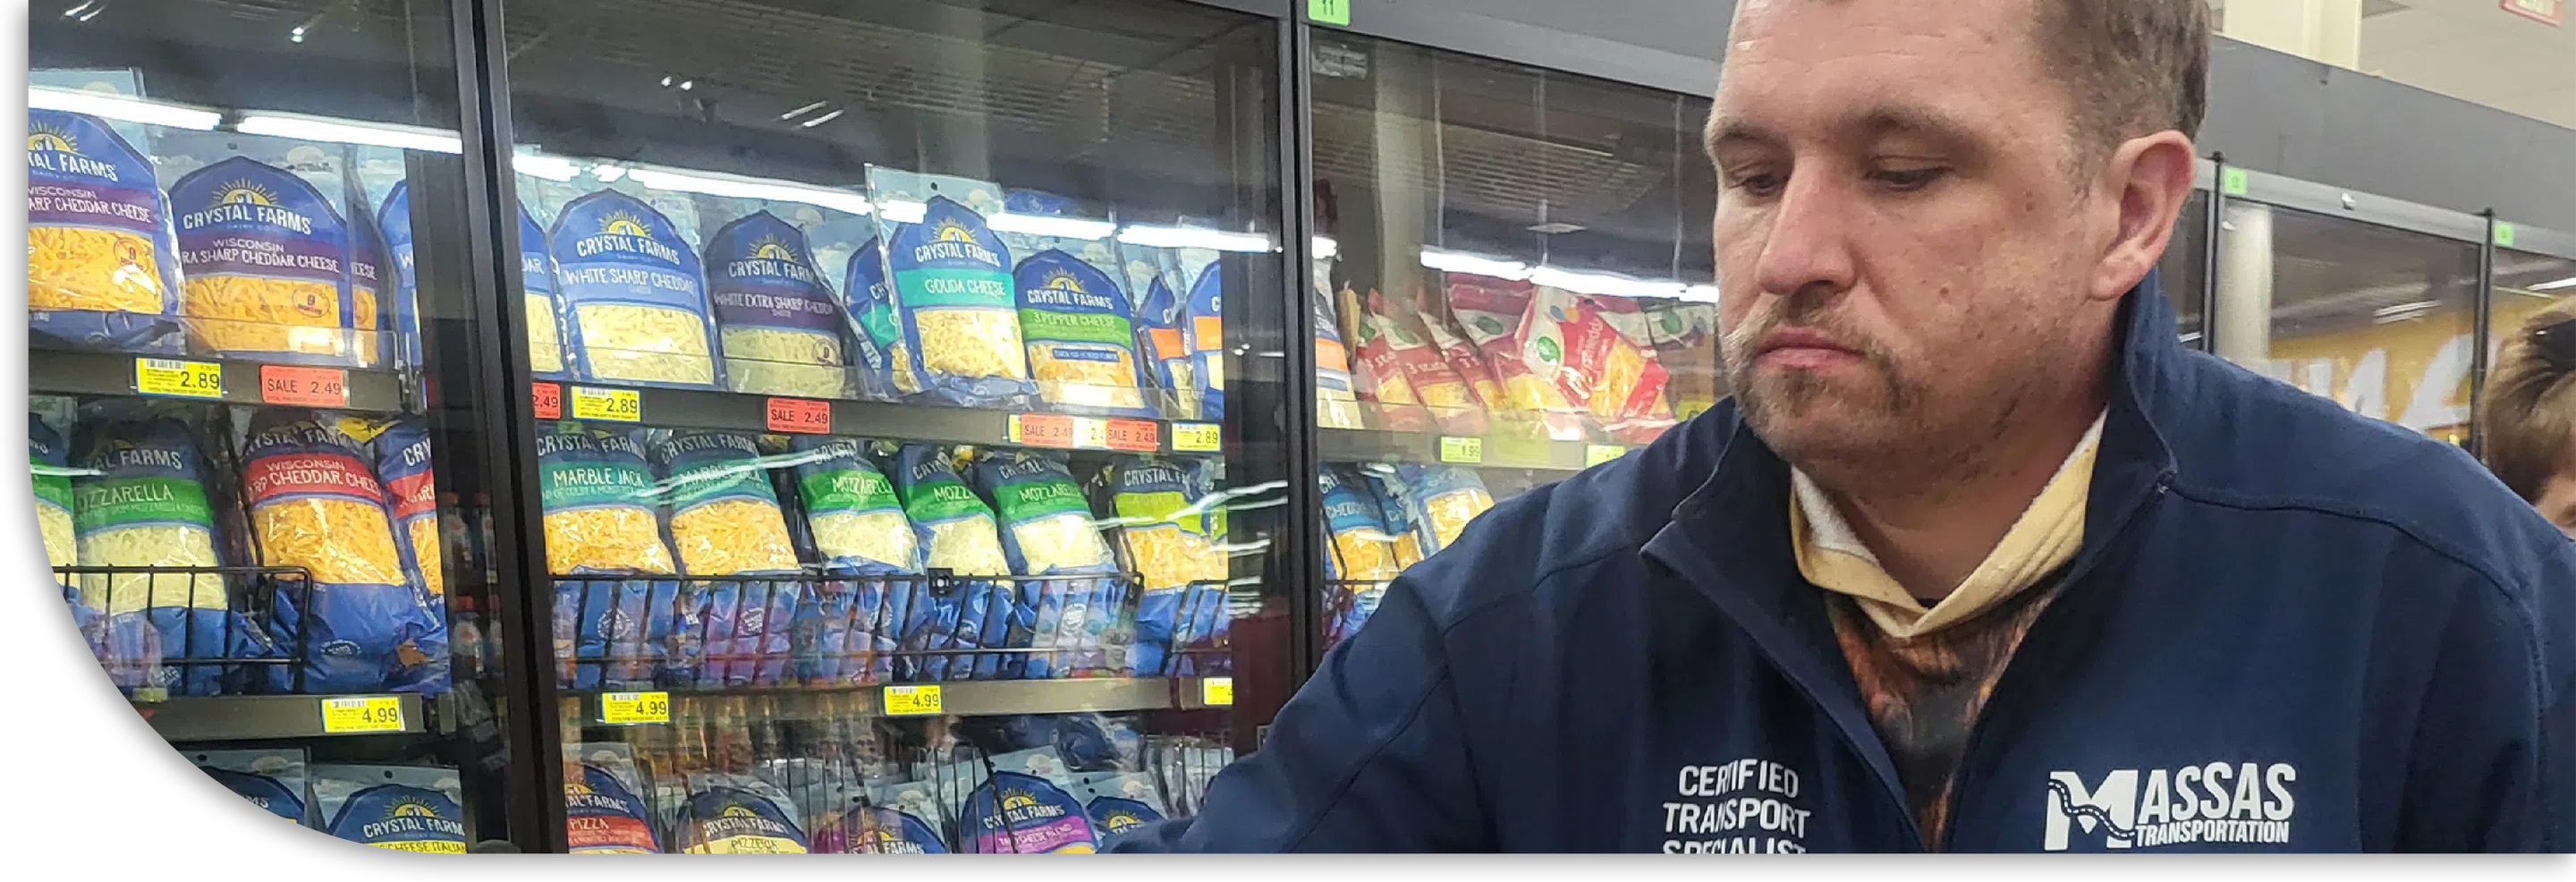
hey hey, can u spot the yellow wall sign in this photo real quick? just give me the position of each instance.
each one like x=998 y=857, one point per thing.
x=912 y=701
x=185 y=379
x=634 y=708
x=362 y=713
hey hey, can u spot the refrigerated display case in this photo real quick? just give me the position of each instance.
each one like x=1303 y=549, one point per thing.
x=250 y=409
x=1512 y=282
x=898 y=487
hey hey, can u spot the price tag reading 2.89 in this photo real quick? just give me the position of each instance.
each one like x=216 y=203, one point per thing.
x=613 y=405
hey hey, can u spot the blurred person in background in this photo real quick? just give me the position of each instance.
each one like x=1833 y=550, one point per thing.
x=2528 y=421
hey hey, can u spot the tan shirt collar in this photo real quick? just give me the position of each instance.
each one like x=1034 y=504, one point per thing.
x=1831 y=555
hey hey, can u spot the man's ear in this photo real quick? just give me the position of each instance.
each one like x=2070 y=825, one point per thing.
x=2150 y=177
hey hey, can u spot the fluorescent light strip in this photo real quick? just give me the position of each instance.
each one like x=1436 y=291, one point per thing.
x=2417 y=306
x=1325 y=247
x=1448 y=261
x=119 y=107
x=310 y=128
x=1700 y=293
x=748 y=188
x=1154 y=236
x=1046 y=225
x=904 y=211
x=1603 y=283
x=539 y=165
x=2568 y=282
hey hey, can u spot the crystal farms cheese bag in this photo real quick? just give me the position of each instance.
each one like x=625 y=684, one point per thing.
x=1046 y=531
x=858 y=527
x=402 y=460
x=271 y=778
x=725 y=521
x=102 y=260
x=1163 y=343
x=403 y=808
x=876 y=325
x=546 y=332
x=736 y=814
x=369 y=272
x=139 y=500
x=264 y=266
x=1204 y=311
x=1080 y=335
x=1489 y=311
x=1441 y=500
x=782 y=327
x=602 y=517
x=958 y=533
x=602 y=812
x=1014 y=813
x=631 y=288
x=1164 y=529
x=1337 y=403
x=1362 y=548
x=1383 y=486
x=315 y=503
x=952 y=276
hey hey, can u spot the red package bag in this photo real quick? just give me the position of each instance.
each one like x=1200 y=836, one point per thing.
x=1452 y=403
x=1379 y=375
x=1489 y=311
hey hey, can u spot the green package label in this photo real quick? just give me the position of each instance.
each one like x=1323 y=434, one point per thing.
x=582 y=484
x=142 y=501
x=945 y=500
x=53 y=490
x=1027 y=501
x=1155 y=509
x=955 y=288
x=848 y=490
x=1075 y=327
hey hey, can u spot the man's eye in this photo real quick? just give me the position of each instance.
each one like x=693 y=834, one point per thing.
x=1757 y=183
x=1907 y=179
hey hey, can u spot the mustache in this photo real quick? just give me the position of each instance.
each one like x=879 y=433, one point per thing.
x=1736 y=343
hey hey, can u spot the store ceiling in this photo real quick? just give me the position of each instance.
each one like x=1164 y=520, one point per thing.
x=2474 y=50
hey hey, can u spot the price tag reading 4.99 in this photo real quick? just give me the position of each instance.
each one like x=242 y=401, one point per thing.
x=912 y=701
x=364 y=713
x=634 y=708
x=1463 y=451
x=1217 y=691
x=184 y=379
x=614 y=405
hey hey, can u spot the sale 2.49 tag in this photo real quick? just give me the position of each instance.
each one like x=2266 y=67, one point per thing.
x=362 y=713
x=1042 y=429
x=184 y=379
x=549 y=398
x=303 y=386
x=613 y=405
x=800 y=415
x=912 y=701
x=633 y=708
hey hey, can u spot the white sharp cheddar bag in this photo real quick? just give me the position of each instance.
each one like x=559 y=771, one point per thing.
x=632 y=289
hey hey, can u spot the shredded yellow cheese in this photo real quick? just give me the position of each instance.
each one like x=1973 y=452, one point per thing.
x=971 y=343
x=769 y=361
x=335 y=539
x=102 y=270
x=652 y=344
x=731 y=537
x=247 y=314
x=618 y=539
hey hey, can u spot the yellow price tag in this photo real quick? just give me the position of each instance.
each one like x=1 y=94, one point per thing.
x=632 y=708
x=617 y=405
x=1596 y=454
x=1197 y=437
x=186 y=379
x=1090 y=434
x=362 y=713
x=912 y=701
x=425 y=846
x=1465 y=451
x=1217 y=691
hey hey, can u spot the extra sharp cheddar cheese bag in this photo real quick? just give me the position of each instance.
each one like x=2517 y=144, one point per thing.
x=783 y=331
x=633 y=293
x=264 y=266
x=102 y=261
x=315 y=503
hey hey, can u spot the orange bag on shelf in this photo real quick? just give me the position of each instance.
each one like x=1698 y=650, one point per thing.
x=1489 y=311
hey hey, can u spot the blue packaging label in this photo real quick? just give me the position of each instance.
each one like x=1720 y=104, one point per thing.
x=402 y=818
x=102 y=261
x=268 y=793
x=725 y=820
x=1013 y=813
x=876 y=326
x=631 y=286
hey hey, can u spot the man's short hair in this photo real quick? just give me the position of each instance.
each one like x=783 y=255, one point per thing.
x=2132 y=67
x=2528 y=420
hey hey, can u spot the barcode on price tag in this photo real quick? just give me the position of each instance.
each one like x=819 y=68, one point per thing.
x=549 y=398
x=363 y=713
x=912 y=701
x=613 y=405
x=801 y=415
x=303 y=386
x=184 y=379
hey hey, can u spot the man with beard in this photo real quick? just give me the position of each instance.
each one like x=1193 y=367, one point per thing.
x=1978 y=558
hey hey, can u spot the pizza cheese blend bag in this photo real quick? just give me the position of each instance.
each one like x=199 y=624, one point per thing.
x=737 y=814
x=602 y=812
x=402 y=808
x=102 y=260
x=782 y=327
x=952 y=277
x=316 y=503
x=263 y=261
x=725 y=521
x=632 y=291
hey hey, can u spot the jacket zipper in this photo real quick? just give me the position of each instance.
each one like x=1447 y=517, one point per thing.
x=1977 y=729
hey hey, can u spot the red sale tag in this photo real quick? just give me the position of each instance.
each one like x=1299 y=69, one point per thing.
x=1141 y=435
x=303 y=386
x=1042 y=430
x=803 y=415
x=549 y=401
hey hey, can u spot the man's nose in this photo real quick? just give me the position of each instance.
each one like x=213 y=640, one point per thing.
x=1807 y=244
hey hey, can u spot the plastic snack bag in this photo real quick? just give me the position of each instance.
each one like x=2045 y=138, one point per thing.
x=959 y=534
x=1633 y=374
x=1574 y=343
x=603 y=814
x=1441 y=501
x=1384 y=384
x=952 y=276
x=1046 y=531
x=602 y=519
x=315 y=503
x=633 y=294
x=737 y=814
x=1489 y=311
x=725 y=521
x=876 y=327
x=1014 y=813
x=782 y=327
x=139 y=500
x=271 y=778
x=1686 y=342
x=263 y=262
x=1398 y=344
x=102 y=260
x=403 y=808
x=1081 y=338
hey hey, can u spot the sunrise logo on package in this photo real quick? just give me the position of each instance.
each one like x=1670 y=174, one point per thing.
x=633 y=293
x=263 y=258
x=1111 y=816
x=725 y=820
x=952 y=277
x=402 y=818
x=781 y=326
x=886 y=831
x=602 y=816
x=102 y=262
x=315 y=503
x=1013 y=813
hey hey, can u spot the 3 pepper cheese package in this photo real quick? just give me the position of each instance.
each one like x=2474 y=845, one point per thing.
x=957 y=533
x=316 y=503
x=725 y=521
x=782 y=328
x=603 y=518
x=1047 y=531
x=951 y=279
x=1078 y=322
x=633 y=292
x=102 y=258
x=403 y=808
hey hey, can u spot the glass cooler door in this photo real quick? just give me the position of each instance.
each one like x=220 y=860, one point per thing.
x=1513 y=272
x=247 y=252
x=898 y=489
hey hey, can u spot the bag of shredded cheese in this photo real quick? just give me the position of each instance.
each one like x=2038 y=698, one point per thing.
x=736 y=814
x=1573 y=342
x=1489 y=310
x=402 y=461
x=139 y=500
x=952 y=278
x=102 y=261
x=270 y=778
x=1204 y=310
x=546 y=331
x=1633 y=374
x=1440 y=500
x=263 y=260
x=1383 y=486
x=402 y=808
x=782 y=326
x=958 y=534
x=876 y=328
x=1163 y=527
x=49 y=461
x=602 y=518
x=1080 y=337
x=1165 y=347
x=368 y=273
x=632 y=292
x=603 y=814
x=1362 y=548
x=858 y=528
x=1046 y=531
x=725 y=521
x=1337 y=403
x=315 y=503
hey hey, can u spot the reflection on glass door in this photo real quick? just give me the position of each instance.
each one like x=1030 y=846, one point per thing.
x=898 y=483
x=262 y=512
x=1512 y=284
x=2379 y=319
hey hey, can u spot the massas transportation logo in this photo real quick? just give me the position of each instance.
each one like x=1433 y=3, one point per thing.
x=2217 y=804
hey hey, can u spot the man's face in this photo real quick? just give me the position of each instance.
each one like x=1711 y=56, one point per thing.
x=1902 y=233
